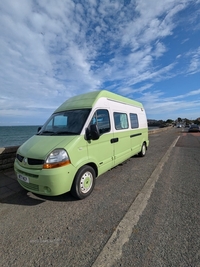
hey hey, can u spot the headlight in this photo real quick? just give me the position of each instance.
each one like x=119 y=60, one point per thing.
x=57 y=158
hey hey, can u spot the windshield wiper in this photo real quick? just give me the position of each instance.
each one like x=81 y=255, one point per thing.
x=57 y=133
x=46 y=132
x=64 y=132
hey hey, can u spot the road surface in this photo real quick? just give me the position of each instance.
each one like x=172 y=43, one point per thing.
x=144 y=212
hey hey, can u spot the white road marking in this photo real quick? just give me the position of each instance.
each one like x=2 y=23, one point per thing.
x=112 y=251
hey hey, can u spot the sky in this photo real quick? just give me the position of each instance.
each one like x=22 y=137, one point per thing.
x=52 y=50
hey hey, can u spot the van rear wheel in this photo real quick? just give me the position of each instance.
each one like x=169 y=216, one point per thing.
x=143 y=150
x=84 y=182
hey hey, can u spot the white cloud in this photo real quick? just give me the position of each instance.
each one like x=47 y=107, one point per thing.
x=194 y=66
x=155 y=103
x=186 y=95
x=159 y=50
x=51 y=50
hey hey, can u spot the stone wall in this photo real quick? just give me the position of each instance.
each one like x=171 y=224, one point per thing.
x=7 y=157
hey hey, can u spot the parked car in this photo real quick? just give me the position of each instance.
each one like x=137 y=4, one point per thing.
x=194 y=128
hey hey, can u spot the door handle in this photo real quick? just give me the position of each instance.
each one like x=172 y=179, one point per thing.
x=114 y=140
x=134 y=135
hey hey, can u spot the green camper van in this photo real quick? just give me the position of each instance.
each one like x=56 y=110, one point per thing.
x=86 y=136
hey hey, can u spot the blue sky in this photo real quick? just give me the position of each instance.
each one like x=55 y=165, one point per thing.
x=145 y=50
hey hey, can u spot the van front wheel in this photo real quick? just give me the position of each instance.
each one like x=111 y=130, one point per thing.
x=84 y=182
x=143 y=150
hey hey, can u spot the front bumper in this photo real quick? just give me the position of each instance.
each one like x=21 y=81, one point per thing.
x=49 y=182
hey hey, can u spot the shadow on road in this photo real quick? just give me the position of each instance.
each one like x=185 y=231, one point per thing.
x=26 y=198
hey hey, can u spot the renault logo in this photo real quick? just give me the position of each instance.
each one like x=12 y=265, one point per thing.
x=25 y=160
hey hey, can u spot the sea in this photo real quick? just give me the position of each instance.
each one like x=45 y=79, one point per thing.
x=17 y=135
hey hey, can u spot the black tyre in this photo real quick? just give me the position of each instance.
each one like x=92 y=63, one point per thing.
x=84 y=182
x=143 y=150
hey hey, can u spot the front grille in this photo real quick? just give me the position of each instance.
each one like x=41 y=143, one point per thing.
x=35 y=161
x=29 y=186
x=30 y=161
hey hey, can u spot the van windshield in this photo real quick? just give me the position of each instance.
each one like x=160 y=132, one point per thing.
x=68 y=122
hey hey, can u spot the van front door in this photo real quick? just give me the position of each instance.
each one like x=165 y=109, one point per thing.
x=101 y=151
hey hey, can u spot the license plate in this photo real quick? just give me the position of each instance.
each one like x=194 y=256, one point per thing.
x=23 y=178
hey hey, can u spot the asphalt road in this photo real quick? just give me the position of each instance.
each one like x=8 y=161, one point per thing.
x=144 y=212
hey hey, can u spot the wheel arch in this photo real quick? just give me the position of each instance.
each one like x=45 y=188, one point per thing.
x=91 y=164
x=94 y=166
x=145 y=142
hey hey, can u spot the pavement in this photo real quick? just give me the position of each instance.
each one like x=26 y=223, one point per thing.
x=8 y=184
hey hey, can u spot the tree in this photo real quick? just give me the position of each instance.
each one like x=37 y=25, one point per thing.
x=197 y=121
x=187 y=121
x=169 y=121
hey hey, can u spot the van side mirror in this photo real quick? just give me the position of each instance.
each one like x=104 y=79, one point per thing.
x=92 y=132
x=39 y=128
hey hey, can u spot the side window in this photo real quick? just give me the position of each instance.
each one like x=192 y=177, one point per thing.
x=101 y=118
x=134 y=120
x=121 y=120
